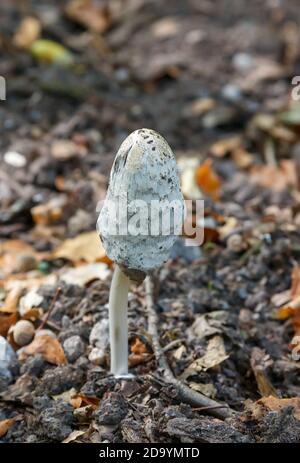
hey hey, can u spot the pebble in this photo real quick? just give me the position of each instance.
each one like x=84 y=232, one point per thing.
x=235 y=243
x=25 y=263
x=14 y=159
x=231 y=93
x=242 y=62
x=8 y=361
x=74 y=347
x=99 y=334
x=23 y=332
x=97 y=356
x=45 y=332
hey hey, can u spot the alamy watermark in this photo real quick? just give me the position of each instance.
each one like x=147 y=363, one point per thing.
x=295 y=94
x=2 y=88
x=120 y=217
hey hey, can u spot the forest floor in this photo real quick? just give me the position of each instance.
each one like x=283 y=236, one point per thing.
x=214 y=78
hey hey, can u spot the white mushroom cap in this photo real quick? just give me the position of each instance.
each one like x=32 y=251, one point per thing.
x=144 y=171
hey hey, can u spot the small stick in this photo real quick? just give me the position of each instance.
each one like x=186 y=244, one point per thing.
x=50 y=310
x=186 y=394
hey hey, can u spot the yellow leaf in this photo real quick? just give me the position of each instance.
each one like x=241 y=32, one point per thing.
x=48 y=51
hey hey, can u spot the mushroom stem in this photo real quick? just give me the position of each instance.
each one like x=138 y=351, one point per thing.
x=118 y=324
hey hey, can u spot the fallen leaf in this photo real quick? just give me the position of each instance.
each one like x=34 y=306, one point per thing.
x=6 y=321
x=208 y=180
x=295 y=289
x=85 y=274
x=5 y=425
x=229 y=227
x=63 y=150
x=208 y=389
x=84 y=247
x=201 y=327
x=225 y=146
x=50 y=52
x=260 y=361
x=199 y=106
x=187 y=167
x=73 y=436
x=27 y=32
x=10 y=252
x=265 y=404
x=48 y=347
x=48 y=213
x=281 y=298
x=138 y=347
x=31 y=300
x=139 y=353
x=165 y=27
x=80 y=400
x=263 y=69
x=94 y=16
x=275 y=177
x=12 y=299
x=242 y=158
x=179 y=352
x=292 y=308
x=215 y=354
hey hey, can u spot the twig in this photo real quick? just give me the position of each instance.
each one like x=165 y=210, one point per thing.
x=186 y=394
x=58 y=291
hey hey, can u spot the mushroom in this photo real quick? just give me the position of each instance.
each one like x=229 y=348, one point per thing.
x=142 y=213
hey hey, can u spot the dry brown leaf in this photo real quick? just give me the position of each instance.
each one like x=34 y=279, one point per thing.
x=84 y=274
x=275 y=177
x=84 y=247
x=139 y=353
x=12 y=299
x=215 y=354
x=88 y=14
x=295 y=289
x=48 y=347
x=242 y=158
x=5 y=425
x=199 y=106
x=138 y=347
x=73 y=436
x=208 y=180
x=48 y=213
x=259 y=363
x=292 y=308
x=265 y=404
x=201 y=327
x=6 y=321
x=28 y=32
x=225 y=146
x=137 y=359
x=10 y=252
x=208 y=389
x=80 y=400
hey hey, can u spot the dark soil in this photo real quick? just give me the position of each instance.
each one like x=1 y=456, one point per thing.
x=130 y=77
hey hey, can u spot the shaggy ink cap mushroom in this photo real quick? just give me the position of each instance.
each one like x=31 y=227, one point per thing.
x=144 y=175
